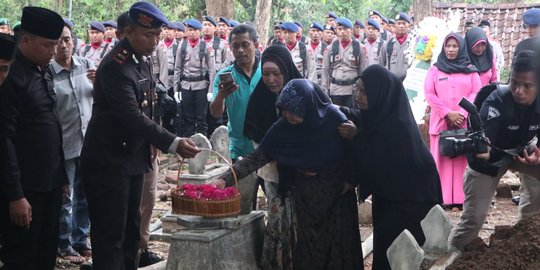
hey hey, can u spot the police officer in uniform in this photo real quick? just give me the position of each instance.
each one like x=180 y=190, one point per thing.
x=300 y=35
x=302 y=55
x=110 y=32
x=373 y=43
x=396 y=54
x=359 y=29
x=318 y=47
x=376 y=15
x=219 y=46
x=32 y=162
x=96 y=50
x=116 y=150
x=342 y=64
x=329 y=34
x=531 y=19
x=331 y=18
x=193 y=69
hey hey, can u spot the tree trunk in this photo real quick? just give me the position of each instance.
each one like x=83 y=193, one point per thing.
x=422 y=9
x=263 y=13
x=58 y=5
x=218 y=8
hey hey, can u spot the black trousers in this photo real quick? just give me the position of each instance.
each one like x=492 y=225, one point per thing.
x=195 y=106
x=390 y=218
x=113 y=204
x=35 y=247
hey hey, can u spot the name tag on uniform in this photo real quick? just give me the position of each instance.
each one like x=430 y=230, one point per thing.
x=443 y=79
x=144 y=84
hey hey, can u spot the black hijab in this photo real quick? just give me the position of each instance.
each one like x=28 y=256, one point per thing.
x=261 y=110
x=483 y=62
x=315 y=143
x=394 y=160
x=461 y=64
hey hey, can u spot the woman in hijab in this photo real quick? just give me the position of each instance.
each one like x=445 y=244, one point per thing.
x=277 y=69
x=448 y=80
x=481 y=55
x=394 y=164
x=306 y=139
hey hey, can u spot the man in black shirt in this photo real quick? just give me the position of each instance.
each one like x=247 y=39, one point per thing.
x=511 y=123
x=32 y=162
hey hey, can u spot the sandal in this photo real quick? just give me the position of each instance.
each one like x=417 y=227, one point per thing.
x=85 y=251
x=72 y=256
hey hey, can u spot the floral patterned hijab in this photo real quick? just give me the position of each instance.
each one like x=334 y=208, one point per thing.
x=315 y=143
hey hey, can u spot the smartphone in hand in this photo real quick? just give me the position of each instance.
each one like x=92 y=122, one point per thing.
x=226 y=78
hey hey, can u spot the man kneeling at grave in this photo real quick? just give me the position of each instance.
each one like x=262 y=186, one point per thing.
x=511 y=120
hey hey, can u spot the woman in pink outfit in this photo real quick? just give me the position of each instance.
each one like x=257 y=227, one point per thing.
x=481 y=55
x=448 y=80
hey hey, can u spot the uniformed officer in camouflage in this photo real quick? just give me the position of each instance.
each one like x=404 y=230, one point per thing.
x=318 y=46
x=397 y=53
x=194 y=66
x=219 y=46
x=342 y=64
x=372 y=43
x=116 y=149
x=96 y=50
x=302 y=55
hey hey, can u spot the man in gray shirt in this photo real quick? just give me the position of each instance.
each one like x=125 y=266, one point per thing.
x=73 y=77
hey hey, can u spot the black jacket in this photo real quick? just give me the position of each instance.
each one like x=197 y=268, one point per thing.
x=508 y=125
x=30 y=134
x=119 y=133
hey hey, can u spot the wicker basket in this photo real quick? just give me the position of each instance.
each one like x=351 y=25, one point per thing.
x=211 y=209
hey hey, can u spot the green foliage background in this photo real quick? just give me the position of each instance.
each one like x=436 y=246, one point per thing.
x=304 y=11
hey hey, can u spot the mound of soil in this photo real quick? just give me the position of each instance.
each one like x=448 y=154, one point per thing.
x=518 y=248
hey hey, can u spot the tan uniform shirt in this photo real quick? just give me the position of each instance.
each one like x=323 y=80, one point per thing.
x=308 y=70
x=318 y=56
x=195 y=73
x=372 y=52
x=400 y=59
x=220 y=53
x=345 y=69
x=95 y=55
x=166 y=75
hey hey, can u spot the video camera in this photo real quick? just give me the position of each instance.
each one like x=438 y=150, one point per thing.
x=453 y=143
x=167 y=102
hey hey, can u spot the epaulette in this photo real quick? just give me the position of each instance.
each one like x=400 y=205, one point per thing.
x=121 y=57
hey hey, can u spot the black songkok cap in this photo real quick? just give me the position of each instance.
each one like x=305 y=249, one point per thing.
x=7 y=46
x=42 y=22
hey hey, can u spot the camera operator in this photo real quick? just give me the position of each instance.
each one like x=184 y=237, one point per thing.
x=511 y=123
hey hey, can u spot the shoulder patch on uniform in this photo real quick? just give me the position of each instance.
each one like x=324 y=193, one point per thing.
x=121 y=57
x=493 y=113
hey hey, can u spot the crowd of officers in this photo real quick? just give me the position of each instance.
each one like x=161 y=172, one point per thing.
x=191 y=52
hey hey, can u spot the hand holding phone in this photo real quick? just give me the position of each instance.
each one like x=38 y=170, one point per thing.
x=227 y=85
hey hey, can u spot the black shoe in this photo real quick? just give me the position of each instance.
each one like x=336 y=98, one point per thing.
x=148 y=258
x=515 y=200
x=86 y=266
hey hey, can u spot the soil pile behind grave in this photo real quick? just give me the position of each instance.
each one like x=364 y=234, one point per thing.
x=521 y=250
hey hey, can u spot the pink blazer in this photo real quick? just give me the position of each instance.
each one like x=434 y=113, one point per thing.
x=443 y=92
x=489 y=76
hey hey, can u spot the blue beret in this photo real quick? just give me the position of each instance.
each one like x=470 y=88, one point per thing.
x=299 y=24
x=234 y=23
x=374 y=23
x=344 y=22
x=374 y=12
x=289 y=26
x=192 y=23
x=42 y=22
x=225 y=21
x=384 y=19
x=329 y=27
x=147 y=15
x=392 y=21
x=332 y=15
x=110 y=24
x=179 y=26
x=316 y=26
x=95 y=25
x=359 y=23
x=210 y=19
x=532 y=17
x=68 y=23
x=404 y=17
